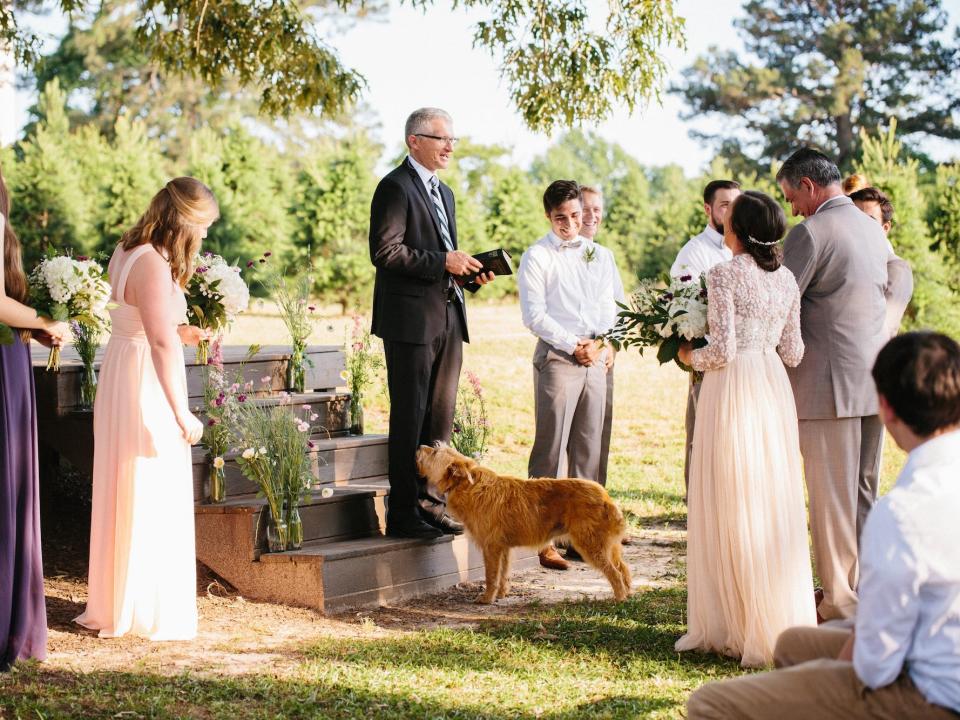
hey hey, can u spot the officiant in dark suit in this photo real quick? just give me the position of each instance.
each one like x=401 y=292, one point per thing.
x=419 y=311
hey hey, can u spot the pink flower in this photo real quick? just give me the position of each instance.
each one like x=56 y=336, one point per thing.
x=241 y=398
x=211 y=422
x=250 y=263
x=313 y=417
x=265 y=379
x=216 y=353
x=305 y=406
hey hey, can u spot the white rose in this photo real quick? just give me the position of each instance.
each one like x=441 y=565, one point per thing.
x=249 y=453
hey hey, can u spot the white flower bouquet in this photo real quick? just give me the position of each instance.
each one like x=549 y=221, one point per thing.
x=662 y=315
x=70 y=290
x=216 y=294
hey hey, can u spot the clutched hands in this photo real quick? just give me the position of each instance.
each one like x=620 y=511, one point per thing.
x=190 y=426
x=587 y=352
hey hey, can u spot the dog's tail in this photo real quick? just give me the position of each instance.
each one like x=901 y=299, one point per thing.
x=615 y=518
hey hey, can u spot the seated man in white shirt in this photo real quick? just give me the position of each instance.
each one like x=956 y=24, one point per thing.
x=569 y=287
x=698 y=255
x=902 y=660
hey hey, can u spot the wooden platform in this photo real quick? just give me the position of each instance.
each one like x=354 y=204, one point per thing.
x=346 y=560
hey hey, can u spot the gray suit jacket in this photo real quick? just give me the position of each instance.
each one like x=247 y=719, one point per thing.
x=839 y=256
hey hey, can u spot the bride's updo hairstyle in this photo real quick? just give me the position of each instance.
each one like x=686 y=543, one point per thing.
x=759 y=223
x=174 y=224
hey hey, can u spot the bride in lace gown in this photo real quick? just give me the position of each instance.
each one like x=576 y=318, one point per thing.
x=748 y=560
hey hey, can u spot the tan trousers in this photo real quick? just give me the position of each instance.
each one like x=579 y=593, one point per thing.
x=841 y=463
x=812 y=685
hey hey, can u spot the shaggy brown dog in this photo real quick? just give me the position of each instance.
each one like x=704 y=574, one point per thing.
x=502 y=512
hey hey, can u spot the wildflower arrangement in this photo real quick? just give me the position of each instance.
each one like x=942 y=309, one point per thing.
x=470 y=424
x=363 y=361
x=71 y=290
x=220 y=397
x=273 y=441
x=292 y=296
x=216 y=294
x=86 y=339
x=663 y=315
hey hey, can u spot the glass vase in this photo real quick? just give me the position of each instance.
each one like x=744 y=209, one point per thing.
x=276 y=532
x=294 y=526
x=217 y=488
x=356 y=415
x=296 y=369
x=88 y=386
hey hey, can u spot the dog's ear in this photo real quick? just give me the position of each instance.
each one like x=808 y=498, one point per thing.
x=457 y=473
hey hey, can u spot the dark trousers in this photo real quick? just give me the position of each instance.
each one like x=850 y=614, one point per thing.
x=422 y=380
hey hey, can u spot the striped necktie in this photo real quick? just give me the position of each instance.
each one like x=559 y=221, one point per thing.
x=444 y=228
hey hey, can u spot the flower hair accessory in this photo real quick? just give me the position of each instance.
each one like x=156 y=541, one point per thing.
x=752 y=239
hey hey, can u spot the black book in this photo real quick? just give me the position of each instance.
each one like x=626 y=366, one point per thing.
x=495 y=261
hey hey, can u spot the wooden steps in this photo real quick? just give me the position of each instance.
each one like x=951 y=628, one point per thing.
x=346 y=560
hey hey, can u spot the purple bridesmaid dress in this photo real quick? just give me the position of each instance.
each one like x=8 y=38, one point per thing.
x=23 y=614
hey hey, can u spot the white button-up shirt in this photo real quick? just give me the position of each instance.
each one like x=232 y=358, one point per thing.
x=425 y=175
x=563 y=295
x=700 y=253
x=909 y=610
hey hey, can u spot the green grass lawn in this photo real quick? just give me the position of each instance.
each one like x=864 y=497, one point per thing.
x=592 y=659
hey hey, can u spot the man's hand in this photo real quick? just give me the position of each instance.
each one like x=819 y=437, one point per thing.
x=460 y=263
x=611 y=356
x=587 y=352
x=484 y=278
x=846 y=652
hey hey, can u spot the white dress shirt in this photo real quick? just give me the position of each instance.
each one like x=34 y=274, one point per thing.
x=700 y=253
x=424 y=174
x=565 y=297
x=909 y=610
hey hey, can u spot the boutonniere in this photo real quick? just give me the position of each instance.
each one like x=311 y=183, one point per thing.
x=589 y=255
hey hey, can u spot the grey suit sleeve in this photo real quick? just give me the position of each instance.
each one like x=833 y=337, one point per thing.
x=898 y=292
x=800 y=255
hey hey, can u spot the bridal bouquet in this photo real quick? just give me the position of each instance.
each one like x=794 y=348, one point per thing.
x=70 y=290
x=662 y=315
x=216 y=294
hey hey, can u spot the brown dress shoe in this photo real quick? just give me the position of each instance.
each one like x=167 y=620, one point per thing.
x=626 y=540
x=550 y=558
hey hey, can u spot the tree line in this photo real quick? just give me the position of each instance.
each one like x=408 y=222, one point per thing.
x=81 y=185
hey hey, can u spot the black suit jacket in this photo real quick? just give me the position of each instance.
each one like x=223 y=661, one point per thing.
x=410 y=292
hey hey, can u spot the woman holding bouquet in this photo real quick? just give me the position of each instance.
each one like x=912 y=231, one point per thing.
x=142 y=576
x=23 y=617
x=748 y=559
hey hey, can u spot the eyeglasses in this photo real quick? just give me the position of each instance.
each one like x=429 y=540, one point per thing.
x=442 y=138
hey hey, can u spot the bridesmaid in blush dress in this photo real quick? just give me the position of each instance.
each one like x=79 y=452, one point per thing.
x=142 y=575
x=23 y=616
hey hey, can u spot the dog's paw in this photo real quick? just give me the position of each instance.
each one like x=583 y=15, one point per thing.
x=503 y=592
x=485 y=599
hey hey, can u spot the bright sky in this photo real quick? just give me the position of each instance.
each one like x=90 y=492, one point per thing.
x=415 y=59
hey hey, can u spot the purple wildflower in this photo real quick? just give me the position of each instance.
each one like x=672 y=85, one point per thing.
x=241 y=398
x=211 y=422
x=686 y=278
x=250 y=263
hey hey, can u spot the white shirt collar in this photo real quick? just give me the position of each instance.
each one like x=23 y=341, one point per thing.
x=713 y=236
x=424 y=174
x=828 y=200
x=942 y=448
x=557 y=241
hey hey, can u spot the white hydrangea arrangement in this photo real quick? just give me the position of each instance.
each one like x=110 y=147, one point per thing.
x=216 y=294
x=70 y=289
x=663 y=315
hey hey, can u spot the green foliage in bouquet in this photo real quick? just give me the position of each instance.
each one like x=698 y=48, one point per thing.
x=292 y=296
x=470 y=424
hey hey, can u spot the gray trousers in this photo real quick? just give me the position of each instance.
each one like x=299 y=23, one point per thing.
x=841 y=465
x=607 y=430
x=569 y=402
x=690 y=422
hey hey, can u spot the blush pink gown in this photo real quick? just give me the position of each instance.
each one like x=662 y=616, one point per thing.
x=142 y=576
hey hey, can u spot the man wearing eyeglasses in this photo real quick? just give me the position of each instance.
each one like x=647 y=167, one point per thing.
x=419 y=311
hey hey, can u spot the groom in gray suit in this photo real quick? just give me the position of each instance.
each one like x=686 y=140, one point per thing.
x=839 y=256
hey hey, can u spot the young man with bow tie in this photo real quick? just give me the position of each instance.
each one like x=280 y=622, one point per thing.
x=569 y=287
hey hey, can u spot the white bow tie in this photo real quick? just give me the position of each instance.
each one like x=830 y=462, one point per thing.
x=565 y=244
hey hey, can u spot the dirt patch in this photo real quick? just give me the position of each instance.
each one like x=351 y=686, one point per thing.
x=238 y=637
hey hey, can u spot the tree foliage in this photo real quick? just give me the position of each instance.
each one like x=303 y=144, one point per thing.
x=560 y=67
x=821 y=70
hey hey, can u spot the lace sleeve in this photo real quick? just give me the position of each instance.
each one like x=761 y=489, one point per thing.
x=791 y=342
x=721 y=338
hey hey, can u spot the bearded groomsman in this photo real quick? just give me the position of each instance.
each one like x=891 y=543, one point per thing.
x=698 y=255
x=840 y=258
x=419 y=311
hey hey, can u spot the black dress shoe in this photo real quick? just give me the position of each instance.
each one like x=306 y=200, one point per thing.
x=416 y=529
x=572 y=554
x=442 y=522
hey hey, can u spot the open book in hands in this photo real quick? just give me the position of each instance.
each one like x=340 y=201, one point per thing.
x=495 y=261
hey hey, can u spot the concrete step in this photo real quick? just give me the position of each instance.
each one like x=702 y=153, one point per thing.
x=335 y=461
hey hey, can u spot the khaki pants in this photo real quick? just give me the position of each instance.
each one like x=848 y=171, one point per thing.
x=811 y=685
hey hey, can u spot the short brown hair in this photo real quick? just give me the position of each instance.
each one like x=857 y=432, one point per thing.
x=711 y=189
x=918 y=374
x=559 y=192
x=872 y=194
